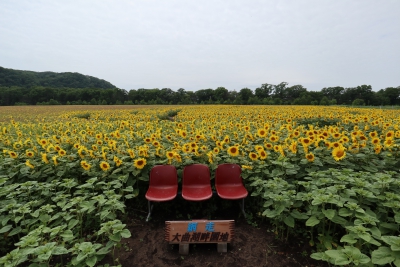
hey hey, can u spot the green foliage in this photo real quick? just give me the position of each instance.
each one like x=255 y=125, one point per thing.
x=10 y=77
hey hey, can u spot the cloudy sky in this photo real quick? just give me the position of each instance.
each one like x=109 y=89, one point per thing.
x=205 y=44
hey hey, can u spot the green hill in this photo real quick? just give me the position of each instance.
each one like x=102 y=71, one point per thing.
x=23 y=78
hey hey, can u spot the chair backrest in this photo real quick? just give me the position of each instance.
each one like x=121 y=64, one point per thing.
x=196 y=174
x=163 y=175
x=228 y=173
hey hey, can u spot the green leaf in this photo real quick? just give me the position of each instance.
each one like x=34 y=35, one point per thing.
x=125 y=233
x=348 y=239
x=44 y=218
x=91 y=261
x=5 y=229
x=318 y=256
x=72 y=223
x=391 y=226
x=67 y=235
x=382 y=256
x=59 y=250
x=297 y=215
x=375 y=232
x=15 y=231
x=289 y=221
x=338 y=256
x=329 y=213
x=344 y=212
x=116 y=237
x=103 y=251
x=339 y=220
x=312 y=221
x=393 y=241
x=81 y=256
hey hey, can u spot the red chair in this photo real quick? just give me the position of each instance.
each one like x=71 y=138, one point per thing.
x=163 y=185
x=229 y=183
x=196 y=185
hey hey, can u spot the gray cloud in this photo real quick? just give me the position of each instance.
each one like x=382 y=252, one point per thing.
x=206 y=44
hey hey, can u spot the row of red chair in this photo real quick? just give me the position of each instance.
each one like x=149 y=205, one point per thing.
x=196 y=183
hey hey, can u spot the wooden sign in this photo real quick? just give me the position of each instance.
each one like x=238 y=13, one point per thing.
x=199 y=231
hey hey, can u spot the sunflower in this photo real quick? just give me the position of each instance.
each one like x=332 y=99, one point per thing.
x=131 y=153
x=373 y=134
x=276 y=148
x=310 y=157
x=253 y=156
x=178 y=157
x=293 y=147
x=210 y=157
x=183 y=134
x=262 y=154
x=104 y=166
x=29 y=153
x=246 y=167
x=375 y=141
x=117 y=161
x=43 y=142
x=354 y=149
x=62 y=152
x=305 y=141
x=269 y=146
x=140 y=163
x=336 y=145
x=44 y=158
x=274 y=138
x=233 y=151
x=170 y=154
x=17 y=145
x=258 y=147
x=389 y=134
x=86 y=166
x=227 y=139
x=216 y=150
x=377 y=149
x=339 y=153
x=29 y=164
x=296 y=133
x=156 y=143
x=54 y=158
x=262 y=132
x=388 y=142
x=13 y=154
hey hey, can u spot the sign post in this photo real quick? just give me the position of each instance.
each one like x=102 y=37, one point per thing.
x=199 y=231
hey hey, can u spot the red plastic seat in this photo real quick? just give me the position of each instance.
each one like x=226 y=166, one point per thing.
x=196 y=185
x=229 y=183
x=163 y=185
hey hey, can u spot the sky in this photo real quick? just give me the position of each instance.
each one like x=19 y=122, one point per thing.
x=207 y=44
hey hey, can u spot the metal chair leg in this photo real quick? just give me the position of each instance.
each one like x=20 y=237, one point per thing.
x=150 y=209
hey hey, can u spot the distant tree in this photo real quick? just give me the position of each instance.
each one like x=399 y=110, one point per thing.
x=245 y=94
x=358 y=102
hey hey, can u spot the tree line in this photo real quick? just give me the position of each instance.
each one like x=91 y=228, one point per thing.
x=266 y=94
x=24 y=78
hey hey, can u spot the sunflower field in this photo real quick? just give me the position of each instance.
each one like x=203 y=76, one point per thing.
x=66 y=174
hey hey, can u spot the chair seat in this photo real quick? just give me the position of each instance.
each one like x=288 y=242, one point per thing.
x=196 y=192
x=161 y=193
x=231 y=191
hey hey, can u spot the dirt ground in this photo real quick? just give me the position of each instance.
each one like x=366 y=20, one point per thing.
x=252 y=246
